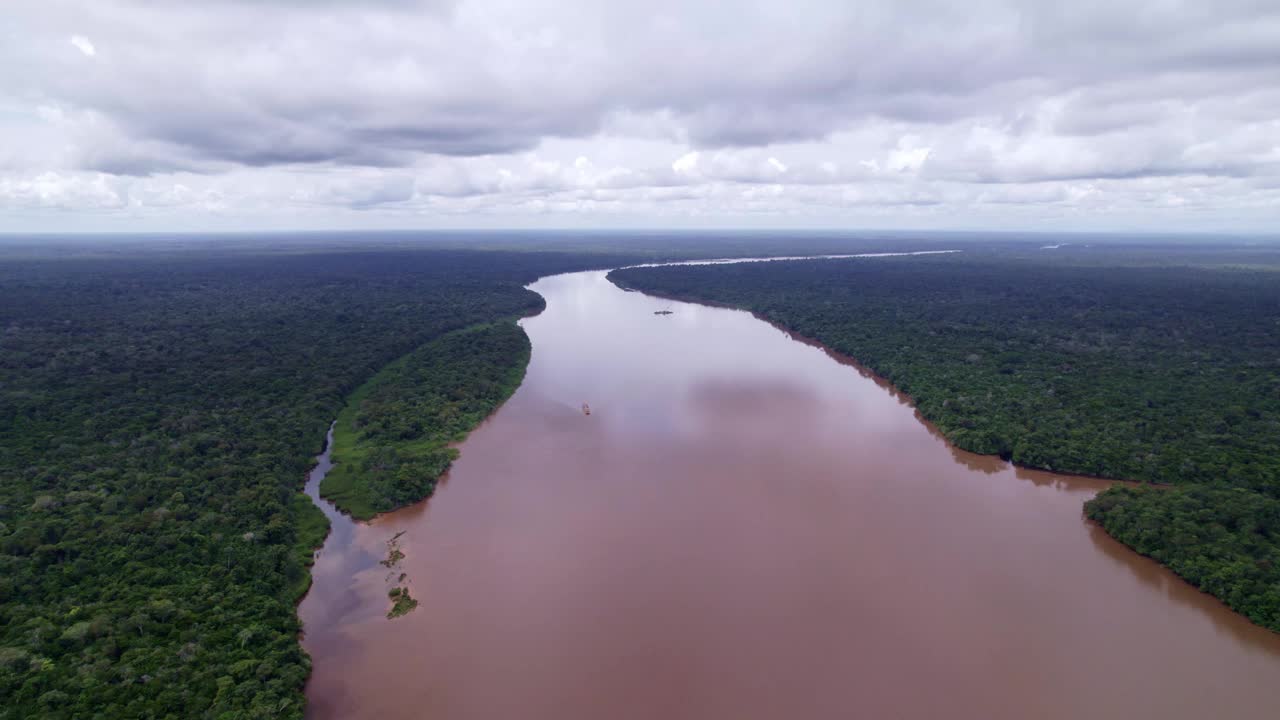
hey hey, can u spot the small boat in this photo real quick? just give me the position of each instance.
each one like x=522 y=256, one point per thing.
x=586 y=409
x=663 y=312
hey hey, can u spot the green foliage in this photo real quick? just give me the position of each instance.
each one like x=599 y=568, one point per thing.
x=158 y=413
x=311 y=528
x=391 y=443
x=401 y=602
x=1158 y=372
x=1225 y=541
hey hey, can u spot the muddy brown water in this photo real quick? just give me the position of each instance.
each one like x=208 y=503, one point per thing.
x=745 y=527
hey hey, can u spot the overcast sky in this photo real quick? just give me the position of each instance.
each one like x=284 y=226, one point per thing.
x=182 y=114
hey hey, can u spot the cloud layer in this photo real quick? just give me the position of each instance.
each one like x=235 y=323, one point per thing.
x=1159 y=114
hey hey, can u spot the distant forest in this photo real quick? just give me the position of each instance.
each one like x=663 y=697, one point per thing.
x=158 y=413
x=1153 y=364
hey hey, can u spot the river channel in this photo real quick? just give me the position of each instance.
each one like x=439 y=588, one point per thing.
x=746 y=527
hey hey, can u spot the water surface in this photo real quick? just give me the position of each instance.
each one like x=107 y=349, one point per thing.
x=744 y=527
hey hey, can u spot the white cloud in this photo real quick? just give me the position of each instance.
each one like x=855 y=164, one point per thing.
x=569 y=111
x=83 y=45
x=686 y=164
x=908 y=156
x=68 y=191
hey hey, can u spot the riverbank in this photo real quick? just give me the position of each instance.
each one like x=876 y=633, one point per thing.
x=883 y=382
x=1103 y=511
x=393 y=439
x=1237 y=566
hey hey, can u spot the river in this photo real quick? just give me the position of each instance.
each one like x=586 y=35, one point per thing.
x=747 y=527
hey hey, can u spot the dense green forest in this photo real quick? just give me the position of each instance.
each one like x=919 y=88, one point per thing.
x=161 y=401
x=159 y=409
x=1156 y=364
x=391 y=442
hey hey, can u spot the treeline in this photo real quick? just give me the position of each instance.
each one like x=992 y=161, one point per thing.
x=392 y=441
x=158 y=413
x=1220 y=539
x=1167 y=374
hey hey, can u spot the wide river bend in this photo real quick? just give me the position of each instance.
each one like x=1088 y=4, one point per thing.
x=743 y=528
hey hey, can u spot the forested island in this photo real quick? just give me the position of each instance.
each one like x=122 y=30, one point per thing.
x=392 y=440
x=160 y=407
x=1152 y=364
